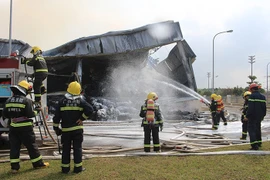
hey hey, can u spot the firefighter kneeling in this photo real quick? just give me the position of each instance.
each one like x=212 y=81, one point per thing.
x=72 y=110
x=152 y=120
x=19 y=110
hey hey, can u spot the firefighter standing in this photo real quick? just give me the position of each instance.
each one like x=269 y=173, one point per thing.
x=255 y=114
x=72 y=110
x=213 y=110
x=244 y=119
x=220 y=110
x=152 y=121
x=19 y=110
x=40 y=73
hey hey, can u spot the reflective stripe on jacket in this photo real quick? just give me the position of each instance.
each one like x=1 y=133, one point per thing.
x=19 y=110
x=69 y=111
x=158 y=116
x=38 y=63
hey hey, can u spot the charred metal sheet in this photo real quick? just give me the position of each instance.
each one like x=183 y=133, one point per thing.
x=21 y=46
x=145 y=37
x=178 y=65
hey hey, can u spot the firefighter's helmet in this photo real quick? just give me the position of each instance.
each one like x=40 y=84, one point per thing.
x=253 y=85
x=36 y=50
x=23 y=87
x=213 y=96
x=74 y=88
x=219 y=97
x=152 y=95
x=247 y=93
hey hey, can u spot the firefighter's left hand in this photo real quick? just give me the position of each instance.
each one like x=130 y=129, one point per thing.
x=23 y=60
x=161 y=127
x=79 y=122
x=58 y=131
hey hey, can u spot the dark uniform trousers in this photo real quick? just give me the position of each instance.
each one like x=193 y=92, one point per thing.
x=254 y=130
x=221 y=115
x=244 y=128
x=38 y=86
x=26 y=136
x=74 y=138
x=148 y=130
x=215 y=119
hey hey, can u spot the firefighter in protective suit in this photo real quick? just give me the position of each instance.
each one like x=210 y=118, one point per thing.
x=40 y=72
x=152 y=121
x=220 y=110
x=19 y=110
x=244 y=119
x=255 y=114
x=72 y=110
x=213 y=110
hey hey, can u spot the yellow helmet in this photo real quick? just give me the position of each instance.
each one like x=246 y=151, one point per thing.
x=36 y=50
x=213 y=96
x=219 y=97
x=23 y=87
x=247 y=93
x=74 y=88
x=152 y=95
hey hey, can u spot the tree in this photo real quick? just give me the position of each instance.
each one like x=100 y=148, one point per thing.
x=252 y=80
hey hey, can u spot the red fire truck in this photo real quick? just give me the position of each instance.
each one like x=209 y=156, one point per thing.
x=11 y=72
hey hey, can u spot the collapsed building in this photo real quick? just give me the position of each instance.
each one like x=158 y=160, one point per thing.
x=117 y=69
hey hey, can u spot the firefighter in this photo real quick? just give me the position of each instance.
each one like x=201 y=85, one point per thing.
x=152 y=121
x=220 y=110
x=213 y=110
x=255 y=114
x=244 y=119
x=40 y=73
x=19 y=110
x=72 y=110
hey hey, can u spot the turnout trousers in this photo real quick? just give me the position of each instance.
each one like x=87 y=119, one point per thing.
x=38 y=86
x=26 y=136
x=222 y=116
x=148 y=130
x=255 y=135
x=244 y=129
x=74 y=138
x=214 y=120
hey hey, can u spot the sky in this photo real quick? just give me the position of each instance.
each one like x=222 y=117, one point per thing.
x=51 y=23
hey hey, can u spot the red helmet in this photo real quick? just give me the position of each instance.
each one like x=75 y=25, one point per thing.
x=253 y=85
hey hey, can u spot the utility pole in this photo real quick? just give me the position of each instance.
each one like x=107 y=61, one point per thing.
x=251 y=60
x=208 y=76
x=10 y=29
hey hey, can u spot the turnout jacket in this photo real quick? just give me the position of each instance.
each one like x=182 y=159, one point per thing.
x=244 y=109
x=19 y=110
x=158 y=116
x=39 y=64
x=69 y=110
x=256 y=106
x=213 y=106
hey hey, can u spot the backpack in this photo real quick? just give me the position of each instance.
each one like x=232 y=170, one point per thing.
x=150 y=112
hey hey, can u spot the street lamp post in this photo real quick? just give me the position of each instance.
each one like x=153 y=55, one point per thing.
x=267 y=82
x=10 y=29
x=213 y=64
x=208 y=76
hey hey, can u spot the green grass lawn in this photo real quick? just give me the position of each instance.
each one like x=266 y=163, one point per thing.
x=246 y=167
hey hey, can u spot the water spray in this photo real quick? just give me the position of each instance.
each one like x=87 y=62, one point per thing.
x=187 y=91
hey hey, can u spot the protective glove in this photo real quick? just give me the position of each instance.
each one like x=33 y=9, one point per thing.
x=161 y=127
x=37 y=106
x=23 y=60
x=58 y=131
